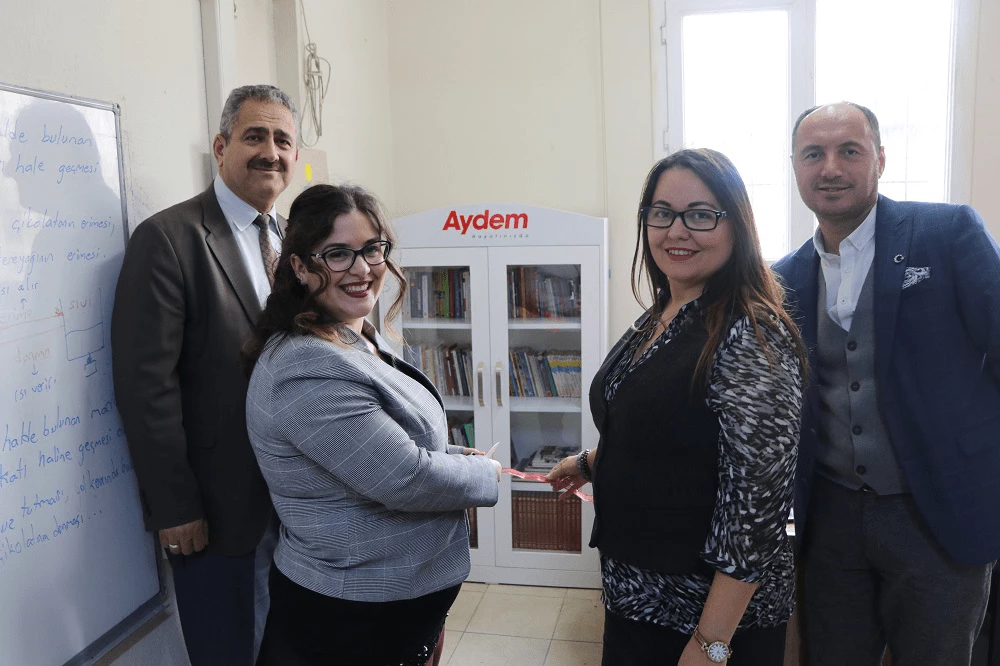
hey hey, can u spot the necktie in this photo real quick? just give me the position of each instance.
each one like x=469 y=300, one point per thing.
x=266 y=251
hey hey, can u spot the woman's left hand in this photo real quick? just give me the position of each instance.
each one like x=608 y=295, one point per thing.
x=693 y=655
x=565 y=476
x=466 y=451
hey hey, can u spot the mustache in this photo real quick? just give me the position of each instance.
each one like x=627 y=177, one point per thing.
x=260 y=163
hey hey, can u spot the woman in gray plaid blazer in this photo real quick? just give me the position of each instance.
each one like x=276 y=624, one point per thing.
x=353 y=444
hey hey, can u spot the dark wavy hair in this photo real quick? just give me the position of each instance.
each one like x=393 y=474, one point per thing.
x=292 y=308
x=743 y=286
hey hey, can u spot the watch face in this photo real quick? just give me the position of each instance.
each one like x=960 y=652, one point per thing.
x=718 y=652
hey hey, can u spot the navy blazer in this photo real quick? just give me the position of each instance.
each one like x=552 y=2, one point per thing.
x=937 y=366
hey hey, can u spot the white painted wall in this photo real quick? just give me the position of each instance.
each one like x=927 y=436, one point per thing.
x=145 y=56
x=541 y=103
x=496 y=101
x=357 y=134
x=986 y=150
x=255 y=44
x=549 y=103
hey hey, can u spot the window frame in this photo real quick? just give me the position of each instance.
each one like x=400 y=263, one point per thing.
x=666 y=19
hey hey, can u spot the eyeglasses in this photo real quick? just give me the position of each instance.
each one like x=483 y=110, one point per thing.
x=341 y=259
x=695 y=219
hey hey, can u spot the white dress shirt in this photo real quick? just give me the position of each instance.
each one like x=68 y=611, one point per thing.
x=240 y=216
x=845 y=274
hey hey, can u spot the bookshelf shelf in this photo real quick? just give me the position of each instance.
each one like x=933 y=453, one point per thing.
x=437 y=323
x=511 y=328
x=457 y=403
x=545 y=324
x=543 y=405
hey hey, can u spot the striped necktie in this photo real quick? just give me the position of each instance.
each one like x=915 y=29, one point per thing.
x=266 y=250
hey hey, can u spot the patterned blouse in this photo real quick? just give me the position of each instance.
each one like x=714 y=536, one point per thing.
x=758 y=409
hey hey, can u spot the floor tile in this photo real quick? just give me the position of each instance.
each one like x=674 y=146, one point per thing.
x=462 y=610
x=580 y=620
x=474 y=587
x=451 y=639
x=571 y=653
x=487 y=650
x=577 y=593
x=529 y=591
x=514 y=615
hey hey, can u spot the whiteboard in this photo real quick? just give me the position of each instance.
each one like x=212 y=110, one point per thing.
x=77 y=567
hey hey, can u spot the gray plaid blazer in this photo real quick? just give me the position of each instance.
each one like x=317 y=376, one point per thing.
x=355 y=454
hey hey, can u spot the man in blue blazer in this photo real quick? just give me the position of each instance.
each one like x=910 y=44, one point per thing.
x=897 y=503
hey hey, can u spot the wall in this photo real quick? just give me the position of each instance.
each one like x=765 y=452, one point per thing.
x=157 y=76
x=986 y=150
x=255 y=45
x=147 y=57
x=357 y=134
x=496 y=101
x=550 y=104
x=524 y=101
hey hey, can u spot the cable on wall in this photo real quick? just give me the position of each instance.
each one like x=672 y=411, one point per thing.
x=317 y=85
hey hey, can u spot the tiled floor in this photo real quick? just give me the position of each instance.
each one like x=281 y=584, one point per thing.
x=503 y=625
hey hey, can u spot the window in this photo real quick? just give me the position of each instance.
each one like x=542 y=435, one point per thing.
x=735 y=74
x=902 y=74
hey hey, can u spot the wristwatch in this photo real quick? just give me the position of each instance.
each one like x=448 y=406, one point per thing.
x=716 y=651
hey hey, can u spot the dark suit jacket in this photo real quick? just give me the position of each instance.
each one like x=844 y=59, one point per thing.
x=937 y=366
x=183 y=308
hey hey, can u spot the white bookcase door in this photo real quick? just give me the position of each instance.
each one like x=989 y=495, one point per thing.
x=545 y=314
x=446 y=328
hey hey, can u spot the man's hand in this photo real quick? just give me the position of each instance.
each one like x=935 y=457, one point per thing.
x=185 y=539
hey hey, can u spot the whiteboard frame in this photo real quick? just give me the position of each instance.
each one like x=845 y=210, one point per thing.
x=96 y=104
x=150 y=609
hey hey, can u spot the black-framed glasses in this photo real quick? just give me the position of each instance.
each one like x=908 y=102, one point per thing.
x=695 y=219
x=341 y=259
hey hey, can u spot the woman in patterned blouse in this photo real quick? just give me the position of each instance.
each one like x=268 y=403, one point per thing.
x=698 y=408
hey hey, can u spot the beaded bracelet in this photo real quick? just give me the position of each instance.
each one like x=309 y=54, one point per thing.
x=583 y=465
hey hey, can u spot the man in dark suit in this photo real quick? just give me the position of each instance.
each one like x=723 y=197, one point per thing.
x=194 y=280
x=897 y=489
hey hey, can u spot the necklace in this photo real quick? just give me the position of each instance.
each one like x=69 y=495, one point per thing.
x=664 y=323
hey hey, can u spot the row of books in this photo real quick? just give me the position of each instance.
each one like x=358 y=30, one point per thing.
x=449 y=367
x=542 y=521
x=534 y=292
x=536 y=374
x=462 y=433
x=438 y=293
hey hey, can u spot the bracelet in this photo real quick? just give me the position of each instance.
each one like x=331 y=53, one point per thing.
x=583 y=465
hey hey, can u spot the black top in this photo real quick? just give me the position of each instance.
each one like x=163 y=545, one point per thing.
x=755 y=406
x=671 y=485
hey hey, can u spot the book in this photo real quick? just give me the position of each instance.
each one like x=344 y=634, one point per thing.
x=548 y=457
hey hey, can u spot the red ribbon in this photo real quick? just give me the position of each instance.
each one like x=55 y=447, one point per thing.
x=541 y=477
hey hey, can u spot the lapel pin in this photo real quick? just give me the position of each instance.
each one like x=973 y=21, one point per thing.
x=898 y=259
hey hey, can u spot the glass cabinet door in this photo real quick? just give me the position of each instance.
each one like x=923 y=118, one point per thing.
x=445 y=333
x=545 y=344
